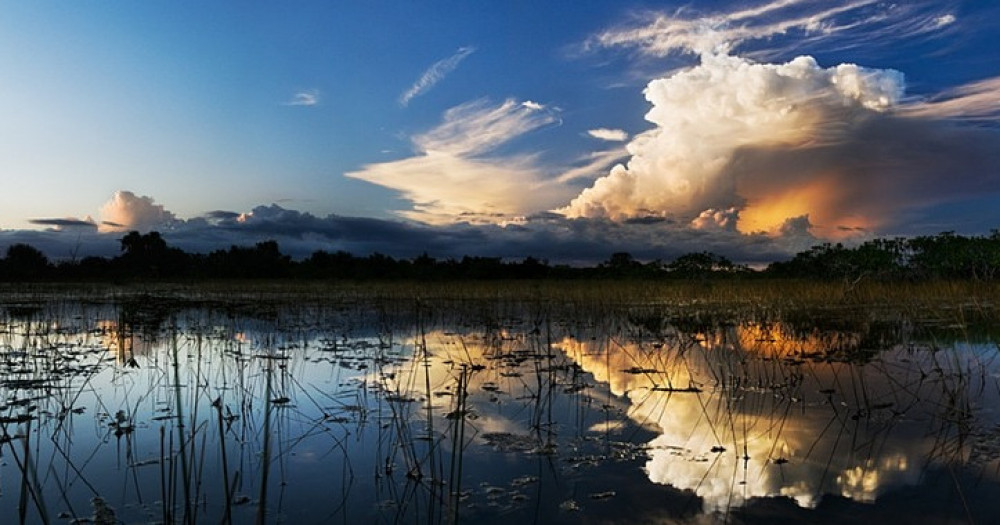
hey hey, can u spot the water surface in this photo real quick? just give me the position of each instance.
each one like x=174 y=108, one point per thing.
x=142 y=412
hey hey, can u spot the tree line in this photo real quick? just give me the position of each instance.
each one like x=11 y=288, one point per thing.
x=149 y=257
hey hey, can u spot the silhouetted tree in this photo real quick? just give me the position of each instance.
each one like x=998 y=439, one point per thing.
x=701 y=264
x=264 y=260
x=147 y=255
x=322 y=264
x=621 y=264
x=24 y=263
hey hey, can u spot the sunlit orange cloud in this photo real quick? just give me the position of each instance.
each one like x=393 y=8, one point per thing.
x=822 y=199
x=128 y=211
x=723 y=132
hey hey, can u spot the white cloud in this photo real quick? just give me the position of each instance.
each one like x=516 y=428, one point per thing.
x=593 y=165
x=452 y=177
x=794 y=147
x=944 y=20
x=705 y=115
x=476 y=127
x=126 y=211
x=446 y=188
x=304 y=98
x=852 y=23
x=611 y=135
x=767 y=143
x=717 y=220
x=976 y=101
x=435 y=74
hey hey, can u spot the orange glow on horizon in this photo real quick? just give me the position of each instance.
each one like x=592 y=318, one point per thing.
x=816 y=198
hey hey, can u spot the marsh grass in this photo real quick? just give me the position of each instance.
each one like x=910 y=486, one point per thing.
x=723 y=292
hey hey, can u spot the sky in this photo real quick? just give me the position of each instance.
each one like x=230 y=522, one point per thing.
x=560 y=130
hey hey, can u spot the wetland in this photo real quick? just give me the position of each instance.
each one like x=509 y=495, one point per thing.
x=547 y=402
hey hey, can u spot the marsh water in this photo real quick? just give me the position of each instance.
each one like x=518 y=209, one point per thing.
x=144 y=410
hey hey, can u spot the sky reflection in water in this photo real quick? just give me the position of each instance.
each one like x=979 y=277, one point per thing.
x=349 y=413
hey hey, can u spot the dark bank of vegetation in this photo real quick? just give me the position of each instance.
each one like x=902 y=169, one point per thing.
x=946 y=256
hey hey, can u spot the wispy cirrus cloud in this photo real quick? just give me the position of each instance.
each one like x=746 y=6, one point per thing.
x=304 y=98
x=593 y=165
x=455 y=176
x=435 y=74
x=763 y=27
x=976 y=101
x=476 y=127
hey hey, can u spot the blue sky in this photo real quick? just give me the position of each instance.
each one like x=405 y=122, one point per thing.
x=495 y=127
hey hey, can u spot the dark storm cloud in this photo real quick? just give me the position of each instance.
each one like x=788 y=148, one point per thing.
x=63 y=223
x=546 y=236
x=221 y=215
x=75 y=243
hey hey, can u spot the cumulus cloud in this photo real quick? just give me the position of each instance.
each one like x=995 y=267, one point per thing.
x=706 y=115
x=611 y=135
x=796 y=147
x=717 y=220
x=435 y=74
x=454 y=177
x=304 y=98
x=738 y=145
x=127 y=211
x=751 y=160
x=841 y=144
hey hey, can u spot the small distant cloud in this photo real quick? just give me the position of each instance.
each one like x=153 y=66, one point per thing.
x=221 y=215
x=64 y=223
x=530 y=104
x=304 y=98
x=610 y=135
x=717 y=220
x=435 y=74
x=944 y=20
